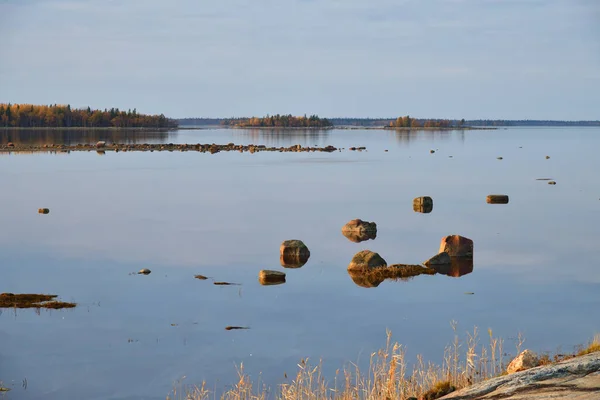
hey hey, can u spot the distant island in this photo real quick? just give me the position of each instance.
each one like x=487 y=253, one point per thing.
x=279 y=121
x=63 y=116
x=393 y=122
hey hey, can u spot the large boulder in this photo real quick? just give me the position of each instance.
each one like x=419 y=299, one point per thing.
x=423 y=204
x=439 y=259
x=527 y=359
x=293 y=254
x=366 y=260
x=358 y=230
x=457 y=246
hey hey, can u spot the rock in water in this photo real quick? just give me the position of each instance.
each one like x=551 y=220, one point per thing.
x=366 y=260
x=268 y=277
x=439 y=259
x=100 y=144
x=497 y=199
x=144 y=271
x=458 y=267
x=527 y=359
x=423 y=204
x=552 y=183
x=358 y=230
x=43 y=210
x=293 y=254
x=457 y=246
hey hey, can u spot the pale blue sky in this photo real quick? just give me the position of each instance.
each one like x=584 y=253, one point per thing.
x=536 y=59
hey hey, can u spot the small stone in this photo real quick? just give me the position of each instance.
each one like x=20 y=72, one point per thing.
x=423 y=204
x=10 y=144
x=432 y=151
x=457 y=246
x=439 y=259
x=144 y=271
x=499 y=158
x=43 y=210
x=294 y=248
x=526 y=360
x=366 y=260
x=547 y=157
x=497 y=199
x=551 y=183
x=269 y=277
x=100 y=144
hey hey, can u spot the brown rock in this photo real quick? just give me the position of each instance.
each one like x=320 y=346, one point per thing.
x=100 y=144
x=439 y=259
x=497 y=199
x=457 y=246
x=292 y=261
x=527 y=359
x=366 y=260
x=358 y=230
x=551 y=183
x=269 y=277
x=365 y=280
x=10 y=144
x=43 y=210
x=423 y=204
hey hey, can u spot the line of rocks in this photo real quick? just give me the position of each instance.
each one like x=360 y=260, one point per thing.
x=203 y=148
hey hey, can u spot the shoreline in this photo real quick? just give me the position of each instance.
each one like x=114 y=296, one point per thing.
x=183 y=147
x=81 y=128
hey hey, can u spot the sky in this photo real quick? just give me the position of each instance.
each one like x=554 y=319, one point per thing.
x=506 y=59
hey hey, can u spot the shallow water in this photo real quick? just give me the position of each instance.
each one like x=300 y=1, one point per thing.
x=224 y=216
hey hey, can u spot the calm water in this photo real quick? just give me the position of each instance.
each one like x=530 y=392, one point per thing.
x=224 y=216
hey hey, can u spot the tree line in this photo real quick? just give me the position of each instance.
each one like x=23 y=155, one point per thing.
x=63 y=116
x=408 y=122
x=280 y=121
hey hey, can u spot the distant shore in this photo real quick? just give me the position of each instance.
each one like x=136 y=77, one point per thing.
x=86 y=128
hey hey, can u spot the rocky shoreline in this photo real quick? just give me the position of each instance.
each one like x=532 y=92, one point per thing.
x=202 y=148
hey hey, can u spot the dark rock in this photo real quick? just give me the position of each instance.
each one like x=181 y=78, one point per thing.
x=551 y=183
x=43 y=210
x=144 y=271
x=458 y=267
x=439 y=259
x=497 y=199
x=423 y=204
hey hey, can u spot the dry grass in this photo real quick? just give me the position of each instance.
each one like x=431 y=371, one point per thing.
x=28 y=300
x=389 y=376
x=592 y=347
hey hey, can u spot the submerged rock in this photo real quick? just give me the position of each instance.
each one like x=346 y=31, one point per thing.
x=527 y=359
x=439 y=259
x=358 y=230
x=366 y=260
x=269 y=277
x=423 y=204
x=457 y=246
x=497 y=199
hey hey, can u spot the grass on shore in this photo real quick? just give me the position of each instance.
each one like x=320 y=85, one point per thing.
x=389 y=376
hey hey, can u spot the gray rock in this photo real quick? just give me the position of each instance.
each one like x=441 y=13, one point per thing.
x=577 y=378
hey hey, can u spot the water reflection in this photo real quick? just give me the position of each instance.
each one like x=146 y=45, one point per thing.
x=293 y=260
x=458 y=267
x=284 y=137
x=396 y=272
x=407 y=136
x=360 y=236
x=82 y=136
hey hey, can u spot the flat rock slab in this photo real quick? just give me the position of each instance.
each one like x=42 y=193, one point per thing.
x=576 y=379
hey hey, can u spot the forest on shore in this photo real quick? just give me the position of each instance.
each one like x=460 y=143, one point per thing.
x=63 y=116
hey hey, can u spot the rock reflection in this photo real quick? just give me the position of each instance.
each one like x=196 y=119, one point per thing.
x=85 y=136
x=358 y=230
x=458 y=267
x=397 y=272
x=358 y=237
x=293 y=260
